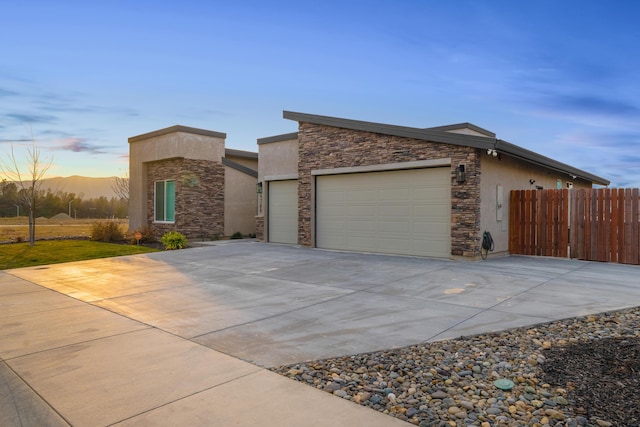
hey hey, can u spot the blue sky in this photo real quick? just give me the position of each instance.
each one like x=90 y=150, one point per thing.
x=557 y=77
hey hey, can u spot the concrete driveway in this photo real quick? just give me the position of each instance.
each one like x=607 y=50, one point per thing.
x=149 y=324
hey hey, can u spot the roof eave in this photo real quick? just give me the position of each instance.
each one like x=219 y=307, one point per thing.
x=278 y=138
x=177 y=128
x=240 y=153
x=532 y=157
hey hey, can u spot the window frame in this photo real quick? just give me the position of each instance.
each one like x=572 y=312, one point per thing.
x=164 y=219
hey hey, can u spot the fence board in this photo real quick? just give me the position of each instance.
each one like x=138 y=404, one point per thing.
x=628 y=232
x=605 y=225
x=621 y=243
x=635 y=224
x=593 y=225
x=613 y=235
x=563 y=223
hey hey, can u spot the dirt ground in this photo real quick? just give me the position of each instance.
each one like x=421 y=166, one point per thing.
x=602 y=376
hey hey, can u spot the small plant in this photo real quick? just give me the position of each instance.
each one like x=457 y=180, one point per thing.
x=106 y=231
x=174 y=240
x=236 y=235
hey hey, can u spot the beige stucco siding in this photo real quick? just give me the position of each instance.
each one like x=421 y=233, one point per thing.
x=180 y=144
x=511 y=174
x=278 y=159
x=240 y=202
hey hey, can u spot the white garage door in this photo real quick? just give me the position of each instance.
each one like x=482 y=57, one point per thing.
x=398 y=212
x=283 y=211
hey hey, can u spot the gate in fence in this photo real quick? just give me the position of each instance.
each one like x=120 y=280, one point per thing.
x=588 y=224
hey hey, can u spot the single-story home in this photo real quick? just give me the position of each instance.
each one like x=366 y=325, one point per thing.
x=360 y=186
x=184 y=179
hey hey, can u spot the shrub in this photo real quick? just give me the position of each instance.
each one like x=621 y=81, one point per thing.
x=106 y=231
x=236 y=235
x=174 y=240
x=149 y=235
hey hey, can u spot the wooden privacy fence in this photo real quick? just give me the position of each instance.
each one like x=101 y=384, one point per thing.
x=596 y=224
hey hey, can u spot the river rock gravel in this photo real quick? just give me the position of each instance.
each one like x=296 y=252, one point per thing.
x=575 y=372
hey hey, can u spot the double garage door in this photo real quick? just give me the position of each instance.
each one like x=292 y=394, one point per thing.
x=403 y=212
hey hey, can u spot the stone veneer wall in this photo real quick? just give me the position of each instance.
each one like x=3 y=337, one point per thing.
x=199 y=196
x=260 y=228
x=325 y=147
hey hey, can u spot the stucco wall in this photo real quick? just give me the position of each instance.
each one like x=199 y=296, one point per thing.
x=240 y=202
x=326 y=147
x=278 y=158
x=511 y=174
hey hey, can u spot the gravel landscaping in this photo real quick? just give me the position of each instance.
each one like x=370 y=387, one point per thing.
x=574 y=372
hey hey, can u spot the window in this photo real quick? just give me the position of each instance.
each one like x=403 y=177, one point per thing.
x=165 y=201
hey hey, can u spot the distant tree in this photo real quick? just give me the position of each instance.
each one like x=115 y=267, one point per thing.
x=8 y=198
x=121 y=187
x=29 y=178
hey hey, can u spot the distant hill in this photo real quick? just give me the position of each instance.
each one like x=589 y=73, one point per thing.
x=82 y=186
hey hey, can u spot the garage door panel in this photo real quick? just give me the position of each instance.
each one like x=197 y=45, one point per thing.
x=283 y=211
x=394 y=227
x=398 y=195
x=361 y=226
x=403 y=212
x=400 y=212
x=359 y=211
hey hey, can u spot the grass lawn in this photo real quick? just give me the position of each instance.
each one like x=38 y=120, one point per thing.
x=18 y=255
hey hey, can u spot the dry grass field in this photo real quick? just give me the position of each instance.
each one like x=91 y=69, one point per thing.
x=17 y=229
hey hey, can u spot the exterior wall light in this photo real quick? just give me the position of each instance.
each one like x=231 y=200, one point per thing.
x=259 y=188
x=461 y=176
x=492 y=152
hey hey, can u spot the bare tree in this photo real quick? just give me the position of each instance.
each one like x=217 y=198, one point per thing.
x=28 y=177
x=121 y=187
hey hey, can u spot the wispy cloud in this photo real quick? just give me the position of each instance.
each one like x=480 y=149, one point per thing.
x=7 y=92
x=27 y=118
x=79 y=145
x=610 y=154
x=591 y=104
x=14 y=140
x=60 y=104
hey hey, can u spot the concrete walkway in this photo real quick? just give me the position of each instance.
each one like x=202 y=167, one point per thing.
x=166 y=338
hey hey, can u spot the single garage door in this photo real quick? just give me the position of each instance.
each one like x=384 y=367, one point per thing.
x=283 y=211
x=397 y=212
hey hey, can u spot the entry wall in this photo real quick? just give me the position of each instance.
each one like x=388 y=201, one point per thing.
x=277 y=161
x=239 y=202
x=325 y=147
x=164 y=144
